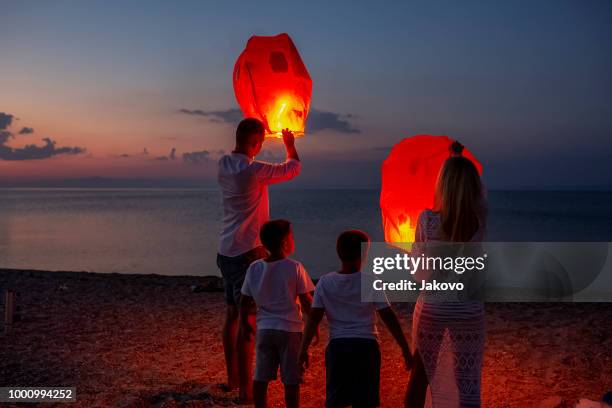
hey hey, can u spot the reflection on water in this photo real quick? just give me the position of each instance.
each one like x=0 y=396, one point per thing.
x=174 y=232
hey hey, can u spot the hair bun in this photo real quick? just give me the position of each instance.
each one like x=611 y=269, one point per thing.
x=456 y=148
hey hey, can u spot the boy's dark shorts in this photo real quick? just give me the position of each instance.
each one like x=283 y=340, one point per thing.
x=352 y=373
x=233 y=269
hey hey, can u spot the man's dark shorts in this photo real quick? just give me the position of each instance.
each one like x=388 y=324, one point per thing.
x=233 y=269
x=352 y=368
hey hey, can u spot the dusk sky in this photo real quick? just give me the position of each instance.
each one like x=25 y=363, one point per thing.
x=142 y=90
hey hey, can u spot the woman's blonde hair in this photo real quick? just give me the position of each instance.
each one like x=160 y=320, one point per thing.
x=458 y=198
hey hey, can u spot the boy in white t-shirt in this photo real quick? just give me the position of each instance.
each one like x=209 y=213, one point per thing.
x=274 y=285
x=352 y=357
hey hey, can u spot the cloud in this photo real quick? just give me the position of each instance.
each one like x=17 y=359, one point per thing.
x=324 y=120
x=4 y=136
x=197 y=157
x=143 y=154
x=31 y=151
x=317 y=120
x=26 y=130
x=220 y=116
x=5 y=120
x=171 y=156
x=202 y=156
x=35 y=152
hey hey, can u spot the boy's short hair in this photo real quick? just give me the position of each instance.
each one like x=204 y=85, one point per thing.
x=349 y=244
x=273 y=233
x=247 y=129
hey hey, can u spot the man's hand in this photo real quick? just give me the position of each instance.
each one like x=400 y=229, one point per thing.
x=408 y=361
x=303 y=360
x=288 y=138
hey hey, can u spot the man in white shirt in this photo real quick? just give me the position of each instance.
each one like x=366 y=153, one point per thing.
x=243 y=182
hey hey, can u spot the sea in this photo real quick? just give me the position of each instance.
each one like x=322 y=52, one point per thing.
x=175 y=232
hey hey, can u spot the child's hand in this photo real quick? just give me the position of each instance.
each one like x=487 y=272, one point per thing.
x=288 y=138
x=303 y=360
x=317 y=337
x=407 y=359
x=247 y=330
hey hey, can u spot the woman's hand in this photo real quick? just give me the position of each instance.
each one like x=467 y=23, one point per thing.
x=408 y=359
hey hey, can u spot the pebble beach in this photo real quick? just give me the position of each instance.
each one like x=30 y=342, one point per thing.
x=154 y=341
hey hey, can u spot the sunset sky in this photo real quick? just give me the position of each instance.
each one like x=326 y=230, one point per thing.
x=116 y=86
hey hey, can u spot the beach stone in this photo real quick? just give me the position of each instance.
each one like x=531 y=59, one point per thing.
x=552 y=402
x=168 y=403
x=209 y=284
x=587 y=403
x=198 y=404
x=162 y=347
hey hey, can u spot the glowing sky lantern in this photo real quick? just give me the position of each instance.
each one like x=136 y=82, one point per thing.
x=409 y=177
x=272 y=84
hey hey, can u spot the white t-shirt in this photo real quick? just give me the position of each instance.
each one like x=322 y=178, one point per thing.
x=275 y=287
x=347 y=314
x=244 y=189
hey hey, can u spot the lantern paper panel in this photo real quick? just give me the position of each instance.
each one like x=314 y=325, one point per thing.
x=272 y=84
x=409 y=176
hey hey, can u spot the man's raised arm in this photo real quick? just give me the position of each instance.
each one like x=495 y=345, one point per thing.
x=289 y=141
x=271 y=173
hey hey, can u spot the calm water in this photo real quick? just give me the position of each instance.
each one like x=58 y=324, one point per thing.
x=174 y=232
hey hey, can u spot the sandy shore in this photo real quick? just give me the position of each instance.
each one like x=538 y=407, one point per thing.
x=136 y=341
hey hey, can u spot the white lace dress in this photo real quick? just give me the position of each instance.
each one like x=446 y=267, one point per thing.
x=449 y=336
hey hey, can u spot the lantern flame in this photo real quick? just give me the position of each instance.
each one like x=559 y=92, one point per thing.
x=402 y=232
x=285 y=112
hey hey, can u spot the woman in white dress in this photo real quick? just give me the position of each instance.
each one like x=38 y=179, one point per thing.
x=448 y=336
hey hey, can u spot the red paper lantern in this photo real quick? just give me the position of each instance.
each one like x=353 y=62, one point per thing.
x=409 y=176
x=272 y=84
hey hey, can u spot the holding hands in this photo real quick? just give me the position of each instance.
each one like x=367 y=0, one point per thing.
x=304 y=360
